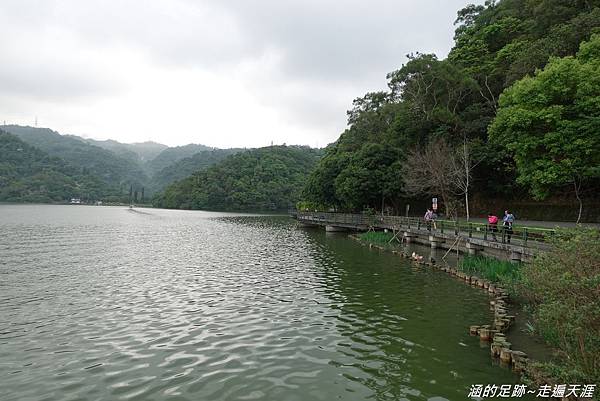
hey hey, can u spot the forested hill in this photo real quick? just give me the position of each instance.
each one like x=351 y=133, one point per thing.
x=173 y=155
x=142 y=151
x=189 y=165
x=143 y=167
x=431 y=127
x=28 y=174
x=89 y=159
x=255 y=180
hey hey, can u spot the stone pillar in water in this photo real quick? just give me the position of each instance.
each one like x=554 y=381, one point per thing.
x=334 y=229
x=435 y=241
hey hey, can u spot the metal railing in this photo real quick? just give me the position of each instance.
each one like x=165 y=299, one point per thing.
x=517 y=235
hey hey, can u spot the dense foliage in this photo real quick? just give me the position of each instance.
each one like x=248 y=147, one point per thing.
x=551 y=123
x=189 y=165
x=563 y=288
x=142 y=152
x=28 y=174
x=456 y=99
x=261 y=179
x=115 y=171
x=122 y=169
x=173 y=155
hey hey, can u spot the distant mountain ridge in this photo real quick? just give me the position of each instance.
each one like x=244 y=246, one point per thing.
x=27 y=174
x=118 y=167
x=174 y=154
x=112 y=169
x=145 y=151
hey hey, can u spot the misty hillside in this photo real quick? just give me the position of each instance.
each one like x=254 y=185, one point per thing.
x=28 y=174
x=189 y=165
x=143 y=151
x=172 y=155
x=111 y=168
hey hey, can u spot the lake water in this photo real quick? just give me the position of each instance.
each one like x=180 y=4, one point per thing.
x=105 y=303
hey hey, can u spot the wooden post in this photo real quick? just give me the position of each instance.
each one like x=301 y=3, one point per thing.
x=505 y=355
x=484 y=334
x=519 y=360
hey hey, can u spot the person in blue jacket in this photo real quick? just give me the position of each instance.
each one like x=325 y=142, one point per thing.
x=507 y=223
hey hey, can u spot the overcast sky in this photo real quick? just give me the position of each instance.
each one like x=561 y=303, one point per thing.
x=223 y=73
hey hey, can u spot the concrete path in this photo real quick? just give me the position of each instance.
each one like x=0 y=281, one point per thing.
x=538 y=223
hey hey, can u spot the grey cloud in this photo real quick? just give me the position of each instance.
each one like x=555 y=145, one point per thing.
x=319 y=54
x=42 y=61
x=321 y=40
x=324 y=46
x=343 y=40
x=53 y=81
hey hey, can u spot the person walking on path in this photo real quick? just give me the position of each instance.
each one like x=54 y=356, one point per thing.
x=493 y=225
x=507 y=223
x=428 y=218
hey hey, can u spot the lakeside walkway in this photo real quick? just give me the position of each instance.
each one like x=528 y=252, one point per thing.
x=519 y=244
x=540 y=223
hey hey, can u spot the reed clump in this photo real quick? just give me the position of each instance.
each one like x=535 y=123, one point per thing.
x=376 y=237
x=490 y=269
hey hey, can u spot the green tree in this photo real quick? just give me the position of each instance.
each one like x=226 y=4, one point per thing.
x=456 y=99
x=550 y=123
x=371 y=176
x=320 y=185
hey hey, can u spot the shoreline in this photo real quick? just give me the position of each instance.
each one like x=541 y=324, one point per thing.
x=496 y=333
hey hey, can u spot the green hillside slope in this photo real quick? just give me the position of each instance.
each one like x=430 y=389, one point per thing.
x=173 y=155
x=28 y=174
x=261 y=179
x=115 y=171
x=189 y=165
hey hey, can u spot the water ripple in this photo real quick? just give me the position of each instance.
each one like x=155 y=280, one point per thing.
x=101 y=303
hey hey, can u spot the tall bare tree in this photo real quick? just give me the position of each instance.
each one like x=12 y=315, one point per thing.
x=439 y=169
x=462 y=166
x=430 y=171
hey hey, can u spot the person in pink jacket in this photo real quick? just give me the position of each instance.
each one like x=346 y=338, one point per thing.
x=493 y=225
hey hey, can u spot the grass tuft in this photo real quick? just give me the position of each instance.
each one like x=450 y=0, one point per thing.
x=376 y=237
x=489 y=268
